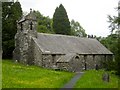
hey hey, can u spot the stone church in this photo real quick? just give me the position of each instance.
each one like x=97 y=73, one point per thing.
x=56 y=51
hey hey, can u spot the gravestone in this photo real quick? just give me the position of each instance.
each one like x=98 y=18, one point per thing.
x=106 y=77
x=96 y=67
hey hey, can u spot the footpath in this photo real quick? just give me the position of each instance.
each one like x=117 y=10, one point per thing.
x=73 y=81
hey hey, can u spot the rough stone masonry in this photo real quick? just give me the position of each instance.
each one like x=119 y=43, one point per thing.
x=56 y=51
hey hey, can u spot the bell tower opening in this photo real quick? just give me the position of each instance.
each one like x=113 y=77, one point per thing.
x=31 y=26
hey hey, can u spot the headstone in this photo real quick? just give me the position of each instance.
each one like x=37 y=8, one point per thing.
x=96 y=67
x=106 y=77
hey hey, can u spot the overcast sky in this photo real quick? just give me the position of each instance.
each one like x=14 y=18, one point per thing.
x=91 y=14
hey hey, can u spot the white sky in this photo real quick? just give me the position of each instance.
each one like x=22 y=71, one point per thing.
x=91 y=14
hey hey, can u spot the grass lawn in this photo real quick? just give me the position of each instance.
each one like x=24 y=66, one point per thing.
x=93 y=79
x=15 y=75
x=0 y=73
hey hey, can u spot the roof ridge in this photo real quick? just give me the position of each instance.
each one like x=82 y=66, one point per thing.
x=63 y=35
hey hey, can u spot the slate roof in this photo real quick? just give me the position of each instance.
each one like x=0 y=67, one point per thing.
x=63 y=44
x=67 y=57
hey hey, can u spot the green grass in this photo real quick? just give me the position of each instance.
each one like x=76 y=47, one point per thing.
x=15 y=75
x=93 y=79
x=0 y=73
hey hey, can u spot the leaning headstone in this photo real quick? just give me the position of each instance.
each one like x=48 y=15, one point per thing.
x=106 y=77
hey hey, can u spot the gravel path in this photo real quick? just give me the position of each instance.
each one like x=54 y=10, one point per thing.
x=73 y=81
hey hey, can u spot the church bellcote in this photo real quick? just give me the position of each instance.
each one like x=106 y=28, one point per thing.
x=28 y=24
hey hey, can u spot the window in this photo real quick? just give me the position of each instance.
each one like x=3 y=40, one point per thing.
x=93 y=57
x=53 y=58
x=31 y=25
x=77 y=57
x=85 y=57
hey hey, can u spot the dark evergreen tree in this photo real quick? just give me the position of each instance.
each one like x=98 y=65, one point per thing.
x=61 y=24
x=11 y=12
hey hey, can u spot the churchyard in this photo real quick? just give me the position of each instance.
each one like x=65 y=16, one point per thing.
x=16 y=75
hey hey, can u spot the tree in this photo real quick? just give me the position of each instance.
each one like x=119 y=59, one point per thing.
x=77 y=29
x=61 y=24
x=11 y=12
x=44 y=23
x=110 y=42
x=113 y=40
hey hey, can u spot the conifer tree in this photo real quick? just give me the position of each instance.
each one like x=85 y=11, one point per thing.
x=61 y=24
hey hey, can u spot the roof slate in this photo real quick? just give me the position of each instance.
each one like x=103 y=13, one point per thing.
x=63 y=44
x=67 y=57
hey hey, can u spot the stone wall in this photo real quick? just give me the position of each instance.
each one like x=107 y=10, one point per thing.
x=64 y=66
x=85 y=61
x=98 y=59
x=74 y=65
x=25 y=49
x=47 y=60
x=93 y=60
x=78 y=63
x=22 y=41
x=90 y=63
x=37 y=54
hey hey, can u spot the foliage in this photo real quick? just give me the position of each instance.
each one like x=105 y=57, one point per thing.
x=61 y=24
x=15 y=75
x=11 y=12
x=44 y=23
x=93 y=79
x=112 y=42
x=114 y=21
x=77 y=29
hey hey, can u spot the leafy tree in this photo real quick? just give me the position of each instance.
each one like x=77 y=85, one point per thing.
x=11 y=12
x=61 y=24
x=113 y=40
x=44 y=23
x=77 y=29
x=115 y=24
x=110 y=42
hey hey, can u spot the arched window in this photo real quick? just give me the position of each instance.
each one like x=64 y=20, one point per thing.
x=31 y=25
x=77 y=57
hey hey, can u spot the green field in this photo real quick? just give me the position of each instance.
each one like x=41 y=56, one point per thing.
x=15 y=75
x=93 y=79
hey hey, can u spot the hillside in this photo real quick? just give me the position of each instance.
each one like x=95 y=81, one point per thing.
x=93 y=79
x=15 y=75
